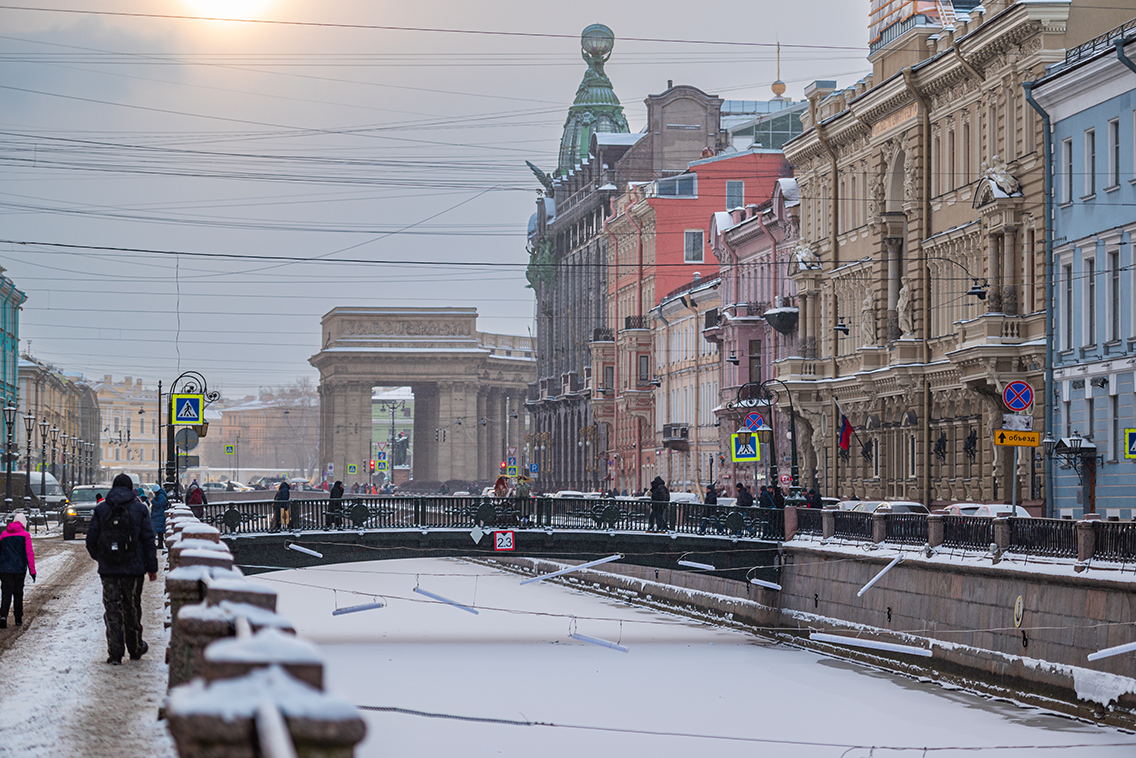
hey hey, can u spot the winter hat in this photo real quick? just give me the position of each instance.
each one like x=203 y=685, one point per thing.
x=21 y=518
x=155 y=488
x=123 y=480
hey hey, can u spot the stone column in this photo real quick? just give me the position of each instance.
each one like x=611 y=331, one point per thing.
x=495 y=414
x=483 y=463
x=893 y=246
x=463 y=401
x=804 y=328
x=1010 y=271
x=358 y=430
x=424 y=449
x=994 y=266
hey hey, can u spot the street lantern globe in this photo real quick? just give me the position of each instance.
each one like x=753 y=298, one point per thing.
x=1049 y=443
x=10 y=414
x=43 y=429
x=29 y=425
x=54 y=434
x=1075 y=442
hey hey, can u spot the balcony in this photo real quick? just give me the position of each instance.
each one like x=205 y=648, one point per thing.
x=636 y=322
x=676 y=436
x=711 y=319
x=603 y=334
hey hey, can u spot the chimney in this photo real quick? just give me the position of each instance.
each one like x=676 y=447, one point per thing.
x=126 y=381
x=670 y=83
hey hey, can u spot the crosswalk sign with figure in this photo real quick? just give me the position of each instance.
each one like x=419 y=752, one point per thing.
x=1130 y=443
x=745 y=447
x=188 y=409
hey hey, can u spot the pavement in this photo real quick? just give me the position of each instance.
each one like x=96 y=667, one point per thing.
x=58 y=696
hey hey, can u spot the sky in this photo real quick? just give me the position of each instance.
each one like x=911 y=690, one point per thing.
x=186 y=194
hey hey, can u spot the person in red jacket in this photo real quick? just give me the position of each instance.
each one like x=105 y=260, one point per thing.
x=17 y=557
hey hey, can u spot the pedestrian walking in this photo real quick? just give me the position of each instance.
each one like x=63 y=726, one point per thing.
x=121 y=539
x=280 y=512
x=660 y=496
x=17 y=558
x=335 y=503
x=765 y=499
x=745 y=497
x=158 y=505
x=196 y=500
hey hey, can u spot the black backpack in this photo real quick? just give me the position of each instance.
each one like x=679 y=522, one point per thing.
x=116 y=538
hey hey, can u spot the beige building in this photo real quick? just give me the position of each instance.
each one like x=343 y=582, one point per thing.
x=920 y=185
x=69 y=404
x=130 y=428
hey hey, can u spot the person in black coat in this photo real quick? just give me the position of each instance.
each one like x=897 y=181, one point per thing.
x=335 y=504
x=122 y=577
x=765 y=499
x=660 y=496
x=280 y=504
x=745 y=499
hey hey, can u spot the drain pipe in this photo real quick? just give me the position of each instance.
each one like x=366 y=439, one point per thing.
x=1049 y=388
x=925 y=276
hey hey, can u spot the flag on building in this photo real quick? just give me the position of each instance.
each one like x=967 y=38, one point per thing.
x=845 y=432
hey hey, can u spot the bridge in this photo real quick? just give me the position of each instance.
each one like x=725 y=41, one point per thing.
x=734 y=543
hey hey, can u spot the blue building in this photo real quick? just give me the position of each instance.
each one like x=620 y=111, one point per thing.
x=1090 y=99
x=10 y=301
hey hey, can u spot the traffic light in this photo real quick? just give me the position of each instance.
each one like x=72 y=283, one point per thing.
x=437 y=434
x=502 y=466
x=372 y=464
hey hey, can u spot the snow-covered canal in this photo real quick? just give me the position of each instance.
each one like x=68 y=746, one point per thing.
x=682 y=689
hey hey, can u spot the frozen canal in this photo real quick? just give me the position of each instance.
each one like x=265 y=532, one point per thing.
x=682 y=689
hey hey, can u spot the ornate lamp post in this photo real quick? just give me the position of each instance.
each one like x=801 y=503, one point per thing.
x=63 y=438
x=1082 y=456
x=29 y=427
x=76 y=444
x=43 y=425
x=10 y=421
x=746 y=399
x=54 y=443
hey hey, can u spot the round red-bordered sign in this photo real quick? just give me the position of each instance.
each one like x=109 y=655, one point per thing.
x=1018 y=396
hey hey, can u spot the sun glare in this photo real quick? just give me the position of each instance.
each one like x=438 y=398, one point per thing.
x=241 y=9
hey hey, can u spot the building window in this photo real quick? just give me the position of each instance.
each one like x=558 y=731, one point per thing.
x=1067 y=274
x=911 y=451
x=755 y=360
x=694 y=246
x=875 y=458
x=644 y=368
x=1114 y=295
x=1114 y=153
x=1067 y=171
x=735 y=194
x=1090 y=301
x=1090 y=162
x=684 y=185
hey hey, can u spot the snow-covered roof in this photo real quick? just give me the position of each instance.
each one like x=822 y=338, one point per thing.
x=790 y=191
x=723 y=221
x=609 y=138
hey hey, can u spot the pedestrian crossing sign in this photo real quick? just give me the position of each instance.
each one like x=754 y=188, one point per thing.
x=188 y=410
x=511 y=467
x=1130 y=443
x=745 y=447
x=352 y=468
x=230 y=449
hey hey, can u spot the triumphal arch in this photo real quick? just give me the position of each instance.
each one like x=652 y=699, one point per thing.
x=469 y=388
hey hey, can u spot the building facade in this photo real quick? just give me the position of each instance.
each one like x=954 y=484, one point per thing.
x=130 y=437
x=69 y=404
x=1091 y=102
x=923 y=202
x=11 y=299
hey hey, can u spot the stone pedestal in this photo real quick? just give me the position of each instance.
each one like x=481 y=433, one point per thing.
x=196 y=626
x=235 y=657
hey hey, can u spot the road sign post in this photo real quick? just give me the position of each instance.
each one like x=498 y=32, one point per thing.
x=1012 y=438
x=745 y=448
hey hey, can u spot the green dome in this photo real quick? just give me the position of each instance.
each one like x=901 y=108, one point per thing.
x=596 y=109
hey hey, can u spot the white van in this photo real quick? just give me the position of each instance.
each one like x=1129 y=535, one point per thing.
x=54 y=495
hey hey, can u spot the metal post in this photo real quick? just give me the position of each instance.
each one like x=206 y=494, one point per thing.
x=10 y=422
x=29 y=427
x=54 y=442
x=1014 y=483
x=43 y=461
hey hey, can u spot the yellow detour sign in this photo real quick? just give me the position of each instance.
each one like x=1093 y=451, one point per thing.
x=1010 y=438
x=745 y=448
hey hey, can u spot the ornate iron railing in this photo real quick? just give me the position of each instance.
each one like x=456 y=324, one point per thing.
x=1114 y=540
x=968 y=532
x=907 y=528
x=853 y=525
x=1038 y=536
x=810 y=521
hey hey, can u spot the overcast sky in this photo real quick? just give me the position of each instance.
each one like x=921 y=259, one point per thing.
x=136 y=153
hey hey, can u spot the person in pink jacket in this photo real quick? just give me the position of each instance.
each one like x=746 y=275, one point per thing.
x=17 y=557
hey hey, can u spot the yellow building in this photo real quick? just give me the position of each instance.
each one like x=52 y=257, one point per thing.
x=129 y=436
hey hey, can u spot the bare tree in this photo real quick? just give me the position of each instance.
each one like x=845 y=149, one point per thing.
x=299 y=404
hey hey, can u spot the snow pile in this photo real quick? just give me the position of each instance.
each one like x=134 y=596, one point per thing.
x=228 y=611
x=1100 y=687
x=239 y=698
x=204 y=573
x=241 y=585
x=267 y=646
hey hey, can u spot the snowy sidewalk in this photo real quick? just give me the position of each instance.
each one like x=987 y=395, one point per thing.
x=58 y=696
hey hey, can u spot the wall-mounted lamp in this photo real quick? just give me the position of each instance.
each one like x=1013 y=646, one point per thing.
x=733 y=358
x=978 y=290
x=841 y=327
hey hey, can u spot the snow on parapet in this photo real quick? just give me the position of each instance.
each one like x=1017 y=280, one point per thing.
x=239 y=698
x=198 y=528
x=192 y=544
x=204 y=573
x=227 y=611
x=236 y=584
x=266 y=646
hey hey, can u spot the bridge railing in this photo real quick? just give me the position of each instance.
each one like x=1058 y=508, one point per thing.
x=394 y=512
x=968 y=532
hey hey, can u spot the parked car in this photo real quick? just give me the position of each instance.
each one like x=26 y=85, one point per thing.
x=685 y=497
x=987 y=510
x=54 y=498
x=890 y=506
x=572 y=494
x=76 y=516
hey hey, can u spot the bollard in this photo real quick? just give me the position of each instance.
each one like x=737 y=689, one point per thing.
x=790 y=523
x=220 y=718
x=1002 y=534
x=934 y=530
x=240 y=590
x=186 y=585
x=828 y=523
x=235 y=657
x=177 y=547
x=879 y=527
x=200 y=624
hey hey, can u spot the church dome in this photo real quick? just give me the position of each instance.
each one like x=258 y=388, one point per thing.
x=596 y=108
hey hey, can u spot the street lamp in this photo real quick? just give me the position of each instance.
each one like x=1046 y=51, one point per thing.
x=769 y=396
x=43 y=461
x=1080 y=454
x=63 y=460
x=29 y=427
x=10 y=421
x=54 y=442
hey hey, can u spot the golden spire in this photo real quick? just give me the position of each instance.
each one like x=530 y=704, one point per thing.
x=778 y=86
